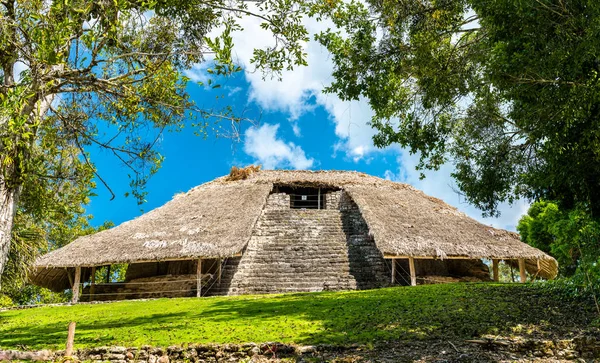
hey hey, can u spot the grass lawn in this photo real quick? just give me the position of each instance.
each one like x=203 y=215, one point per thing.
x=451 y=311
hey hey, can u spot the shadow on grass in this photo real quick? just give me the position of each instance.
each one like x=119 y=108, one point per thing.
x=93 y=333
x=426 y=312
x=454 y=311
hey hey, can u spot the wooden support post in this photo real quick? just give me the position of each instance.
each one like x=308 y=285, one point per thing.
x=522 y=269
x=69 y=276
x=393 y=271
x=413 y=274
x=70 y=340
x=199 y=278
x=76 y=284
x=220 y=270
x=107 y=274
x=319 y=199
x=495 y=269
x=93 y=283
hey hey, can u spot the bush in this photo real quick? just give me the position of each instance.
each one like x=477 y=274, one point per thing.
x=5 y=301
x=573 y=238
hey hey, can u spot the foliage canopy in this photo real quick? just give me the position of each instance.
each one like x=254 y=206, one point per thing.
x=572 y=236
x=108 y=74
x=508 y=91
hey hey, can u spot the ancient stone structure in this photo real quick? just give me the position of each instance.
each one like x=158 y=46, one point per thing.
x=293 y=250
x=288 y=231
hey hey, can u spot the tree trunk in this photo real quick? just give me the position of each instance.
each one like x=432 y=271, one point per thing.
x=8 y=208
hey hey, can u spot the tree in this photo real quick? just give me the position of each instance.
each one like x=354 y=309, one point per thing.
x=553 y=231
x=108 y=74
x=50 y=212
x=508 y=91
x=572 y=236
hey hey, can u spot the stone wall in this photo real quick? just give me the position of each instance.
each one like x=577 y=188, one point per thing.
x=219 y=288
x=278 y=201
x=332 y=199
x=367 y=264
x=146 y=288
x=585 y=348
x=430 y=271
x=161 y=268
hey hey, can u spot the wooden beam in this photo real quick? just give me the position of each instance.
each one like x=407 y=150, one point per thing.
x=522 y=270
x=199 y=278
x=219 y=275
x=433 y=257
x=69 y=276
x=413 y=274
x=76 y=285
x=539 y=266
x=70 y=340
x=238 y=254
x=107 y=274
x=449 y=257
x=319 y=199
x=495 y=270
x=393 y=271
x=93 y=283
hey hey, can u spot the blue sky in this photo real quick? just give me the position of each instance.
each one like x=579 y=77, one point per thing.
x=297 y=127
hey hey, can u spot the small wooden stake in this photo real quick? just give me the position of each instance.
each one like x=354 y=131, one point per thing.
x=495 y=269
x=93 y=283
x=76 y=284
x=522 y=270
x=70 y=340
x=199 y=278
x=413 y=274
x=393 y=271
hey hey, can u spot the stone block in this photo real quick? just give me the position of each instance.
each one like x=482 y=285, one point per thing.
x=118 y=350
x=114 y=356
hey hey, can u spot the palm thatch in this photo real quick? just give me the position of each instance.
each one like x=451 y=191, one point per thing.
x=216 y=219
x=405 y=222
x=208 y=221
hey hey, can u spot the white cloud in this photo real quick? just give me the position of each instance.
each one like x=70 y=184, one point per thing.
x=17 y=69
x=300 y=90
x=198 y=73
x=441 y=185
x=262 y=144
x=296 y=129
x=234 y=90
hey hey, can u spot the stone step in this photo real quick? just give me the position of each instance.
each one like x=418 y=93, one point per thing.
x=296 y=286
x=305 y=250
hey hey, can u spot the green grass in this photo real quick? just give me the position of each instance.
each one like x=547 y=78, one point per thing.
x=452 y=311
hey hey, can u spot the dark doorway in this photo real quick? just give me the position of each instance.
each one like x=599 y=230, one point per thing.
x=305 y=197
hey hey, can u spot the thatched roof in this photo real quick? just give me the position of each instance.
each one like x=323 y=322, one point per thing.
x=405 y=222
x=213 y=220
x=216 y=220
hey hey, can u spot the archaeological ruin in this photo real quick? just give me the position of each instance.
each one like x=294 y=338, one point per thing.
x=279 y=231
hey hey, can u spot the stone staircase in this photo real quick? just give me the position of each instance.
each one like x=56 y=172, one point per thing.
x=294 y=250
x=228 y=268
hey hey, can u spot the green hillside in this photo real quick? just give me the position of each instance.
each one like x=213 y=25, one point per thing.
x=452 y=311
